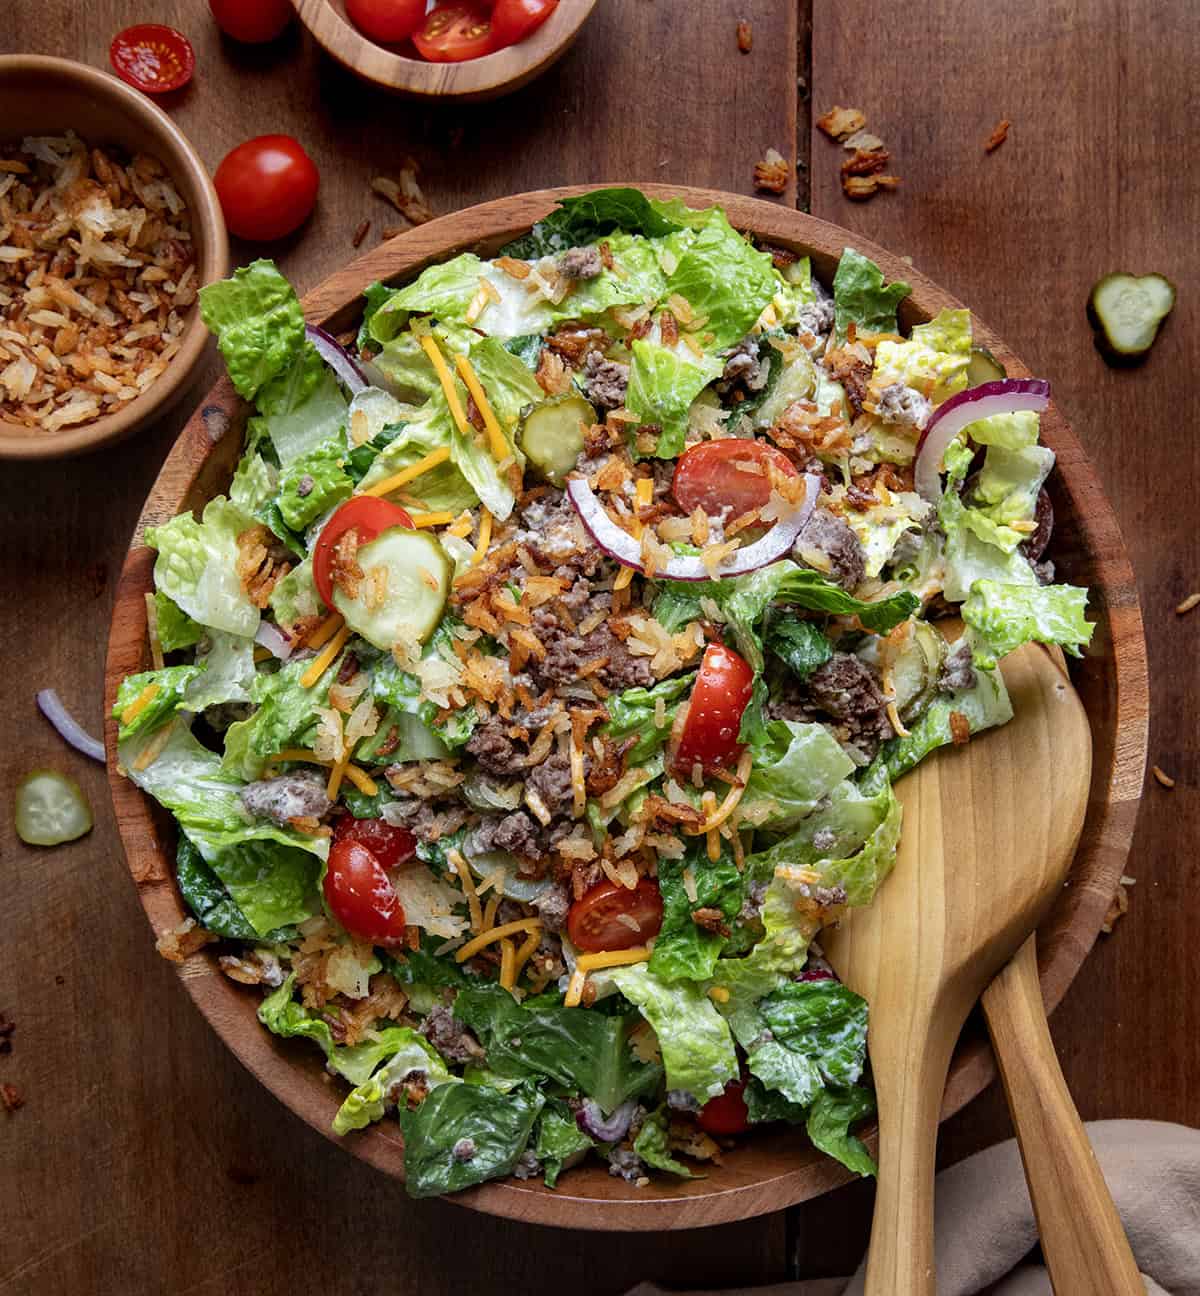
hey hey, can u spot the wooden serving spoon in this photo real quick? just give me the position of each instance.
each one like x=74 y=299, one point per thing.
x=989 y=832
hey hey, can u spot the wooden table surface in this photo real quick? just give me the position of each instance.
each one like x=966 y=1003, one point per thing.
x=144 y=1159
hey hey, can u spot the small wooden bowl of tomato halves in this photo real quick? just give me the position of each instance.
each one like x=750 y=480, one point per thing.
x=462 y=49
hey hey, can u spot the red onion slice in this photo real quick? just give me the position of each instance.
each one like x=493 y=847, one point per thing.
x=69 y=729
x=1005 y=396
x=619 y=544
x=272 y=638
x=591 y=1120
x=336 y=357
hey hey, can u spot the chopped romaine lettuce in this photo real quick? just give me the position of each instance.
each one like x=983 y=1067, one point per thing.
x=559 y=1140
x=228 y=674
x=697 y=1048
x=197 y=567
x=207 y=897
x=830 y=1119
x=169 y=686
x=175 y=628
x=632 y=715
x=303 y=406
x=314 y=483
x=653 y=1146
x=1003 y=617
x=934 y=357
x=463 y=1134
x=683 y=949
x=408 y=1054
x=795 y=765
x=294 y=598
x=662 y=386
x=258 y=324
x=254 y=483
x=588 y=1051
x=801 y=645
x=825 y=1022
x=861 y=297
x=588 y=217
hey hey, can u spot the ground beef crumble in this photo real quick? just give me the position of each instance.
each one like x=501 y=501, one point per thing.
x=845 y=689
x=298 y=795
x=449 y=1036
x=828 y=545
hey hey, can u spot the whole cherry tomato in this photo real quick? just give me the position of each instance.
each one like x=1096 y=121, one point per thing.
x=726 y=1113
x=513 y=20
x=714 y=715
x=267 y=187
x=390 y=845
x=710 y=475
x=360 y=895
x=386 y=21
x=599 y=920
x=251 y=21
x=365 y=514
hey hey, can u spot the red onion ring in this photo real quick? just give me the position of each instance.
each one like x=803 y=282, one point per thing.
x=591 y=1120
x=619 y=544
x=336 y=357
x=1004 y=396
x=272 y=638
x=69 y=729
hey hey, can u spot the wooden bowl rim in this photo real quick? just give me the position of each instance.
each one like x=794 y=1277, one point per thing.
x=1068 y=932
x=482 y=78
x=176 y=153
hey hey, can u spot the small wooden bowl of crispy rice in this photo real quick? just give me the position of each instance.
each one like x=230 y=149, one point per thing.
x=777 y=1167
x=99 y=330
x=475 y=79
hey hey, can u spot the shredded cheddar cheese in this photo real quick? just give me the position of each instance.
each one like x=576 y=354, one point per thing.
x=461 y=526
x=297 y=754
x=336 y=774
x=719 y=993
x=472 y=947
x=140 y=703
x=481 y=545
x=446 y=378
x=155 y=747
x=612 y=958
x=411 y=473
x=644 y=492
x=496 y=441
x=708 y=803
x=729 y=805
x=462 y=871
x=439 y=518
x=325 y=631
x=575 y=988
x=525 y=953
x=361 y=780
x=321 y=662
x=489 y=912
x=508 y=964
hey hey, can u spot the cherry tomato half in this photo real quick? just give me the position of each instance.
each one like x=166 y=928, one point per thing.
x=386 y=21
x=390 y=845
x=366 y=515
x=152 y=58
x=719 y=696
x=513 y=20
x=596 y=922
x=361 y=897
x=454 y=33
x=253 y=22
x=267 y=187
x=726 y=1113
x=708 y=475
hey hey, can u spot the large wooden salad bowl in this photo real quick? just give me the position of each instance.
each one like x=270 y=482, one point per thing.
x=777 y=1167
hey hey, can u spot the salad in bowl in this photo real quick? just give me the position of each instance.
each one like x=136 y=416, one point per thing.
x=536 y=693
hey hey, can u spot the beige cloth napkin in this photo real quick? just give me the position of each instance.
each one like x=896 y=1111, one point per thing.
x=985 y=1226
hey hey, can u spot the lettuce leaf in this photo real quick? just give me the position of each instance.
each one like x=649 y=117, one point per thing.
x=588 y=217
x=273 y=884
x=587 y=1051
x=801 y=645
x=788 y=582
x=498 y=1126
x=985 y=704
x=175 y=628
x=558 y=1139
x=254 y=483
x=653 y=1146
x=295 y=598
x=258 y=324
x=723 y=278
x=684 y=950
x=197 y=567
x=829 y=1122
x=861 y=297
x=662 y=386
x=206 y=896
x=170 y=683
x=1015 y=431
x=303 y=406
x=935 y=353
x=795 y=765
x=228 y=671
x=407 y=1052
x=1003 y=617
x=823 y=1021
x=286 y=717
x=314 y=483
x=632 y=714
x=697 y=1048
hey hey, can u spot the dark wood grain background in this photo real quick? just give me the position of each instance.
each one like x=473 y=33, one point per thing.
x=144 y=1159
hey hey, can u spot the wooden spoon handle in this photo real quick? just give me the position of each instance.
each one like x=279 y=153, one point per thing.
x=1084 y=1244
x=909 y=1092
